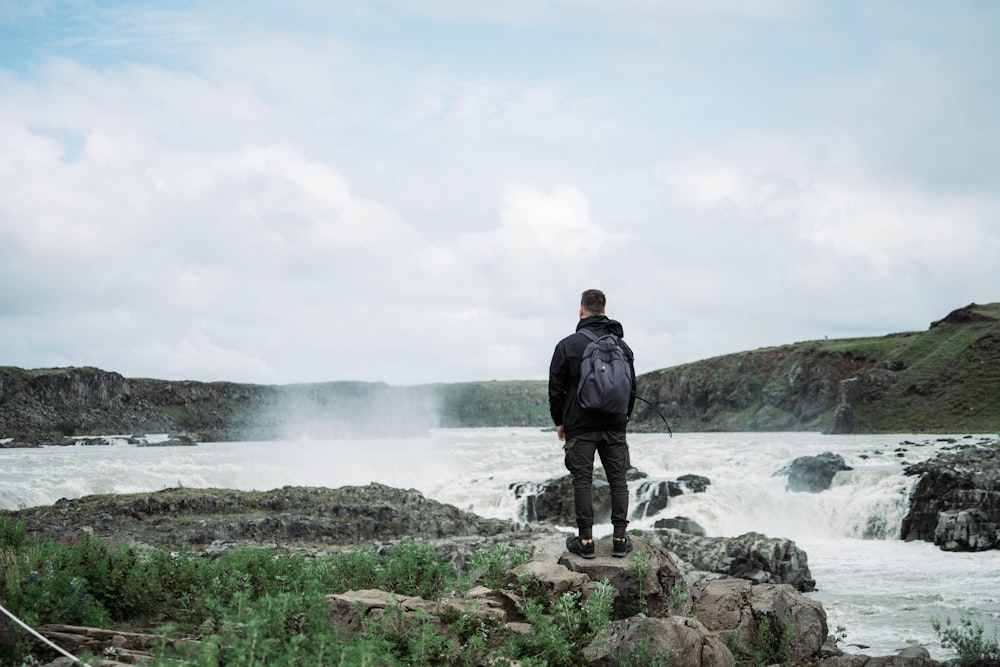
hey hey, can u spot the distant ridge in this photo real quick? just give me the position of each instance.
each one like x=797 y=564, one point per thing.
x=943 y=380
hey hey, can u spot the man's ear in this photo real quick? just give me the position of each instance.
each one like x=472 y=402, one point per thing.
x=583 y=313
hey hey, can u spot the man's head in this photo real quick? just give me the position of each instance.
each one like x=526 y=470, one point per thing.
x=592 y=302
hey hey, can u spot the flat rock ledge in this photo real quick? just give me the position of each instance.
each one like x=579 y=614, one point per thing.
x=296 y=516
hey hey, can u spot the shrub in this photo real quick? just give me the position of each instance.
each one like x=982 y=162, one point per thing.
x=770 y=644
x=492 y=565
x=968 y=641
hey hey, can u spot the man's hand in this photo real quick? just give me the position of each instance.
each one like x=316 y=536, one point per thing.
x=561 y=432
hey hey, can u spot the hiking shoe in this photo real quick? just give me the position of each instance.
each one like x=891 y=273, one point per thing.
x=574 y=545
x=621 y=546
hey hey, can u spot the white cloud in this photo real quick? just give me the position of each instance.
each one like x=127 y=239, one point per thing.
x=268 y=189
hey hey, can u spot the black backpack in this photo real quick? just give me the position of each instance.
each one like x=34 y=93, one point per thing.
x=605 y=375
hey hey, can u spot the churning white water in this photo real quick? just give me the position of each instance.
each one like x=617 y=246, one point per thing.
x=883 y=591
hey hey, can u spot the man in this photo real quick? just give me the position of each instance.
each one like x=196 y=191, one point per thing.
x=586 y=431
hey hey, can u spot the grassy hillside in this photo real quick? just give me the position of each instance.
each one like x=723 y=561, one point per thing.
x=945 y=379
x=948 y=378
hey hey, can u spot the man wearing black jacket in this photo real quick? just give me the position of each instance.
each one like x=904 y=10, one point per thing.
x=585 y=432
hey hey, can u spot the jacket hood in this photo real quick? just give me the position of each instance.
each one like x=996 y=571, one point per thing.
x=601 y=323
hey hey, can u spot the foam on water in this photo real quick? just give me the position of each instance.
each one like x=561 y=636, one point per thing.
x=885 y=592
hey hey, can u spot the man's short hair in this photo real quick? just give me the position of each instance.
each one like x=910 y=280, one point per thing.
x=593 y=302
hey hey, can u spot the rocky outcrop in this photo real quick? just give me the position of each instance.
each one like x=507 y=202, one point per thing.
x=688 y=642
x=813 y=474
x=658 y=585
x=793 y=387
x=751 y=556
x=956 y=503
x=699 y=626
x=735 y=609
x=866 y=387
x=197 y=518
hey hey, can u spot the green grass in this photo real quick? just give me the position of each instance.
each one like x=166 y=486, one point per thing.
x=268 y=606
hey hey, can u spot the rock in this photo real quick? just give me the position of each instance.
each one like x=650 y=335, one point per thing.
x=654 y=496
x=736 y=608
x=813 y=473
x=552 y=501
x=553 y=579
x=695 y=483
x=865 y=387
x=689 y=643
x=858 y=660
x=956 y=503
x=197 y=518
x=182 y=440
x=681 y=523
x=351 y=610
x=914 y=652
x=750 y=556
x=651 y=498
x=662 y=589
x=128 y=648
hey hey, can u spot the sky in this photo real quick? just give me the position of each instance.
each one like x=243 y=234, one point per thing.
x=417 y=191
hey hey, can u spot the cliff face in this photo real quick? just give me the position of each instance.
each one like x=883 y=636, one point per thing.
x=945 y=379
x=43 y=406
x=795 y=387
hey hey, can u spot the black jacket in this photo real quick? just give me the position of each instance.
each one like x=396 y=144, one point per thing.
x=564 y=376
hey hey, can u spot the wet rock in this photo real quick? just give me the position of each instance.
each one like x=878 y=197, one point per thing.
x=552 y=501
x=956 y=503
x=858 y=660
x=682 y=524
x=813 y=473
x=654 y=496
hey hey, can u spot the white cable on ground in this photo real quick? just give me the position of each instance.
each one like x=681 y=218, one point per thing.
x=43 y=639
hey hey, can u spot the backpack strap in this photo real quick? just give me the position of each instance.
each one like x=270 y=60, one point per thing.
x=589 y=334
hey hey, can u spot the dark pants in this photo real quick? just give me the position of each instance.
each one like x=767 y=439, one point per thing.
x=613 y=449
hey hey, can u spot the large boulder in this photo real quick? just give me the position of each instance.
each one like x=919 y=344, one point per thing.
x=956 y=503
x=689 y=643
x=647 y=580
x=813 y=474
x=752 y=556
x=737 y=610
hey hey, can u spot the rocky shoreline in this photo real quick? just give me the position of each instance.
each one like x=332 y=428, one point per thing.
x=691 y=610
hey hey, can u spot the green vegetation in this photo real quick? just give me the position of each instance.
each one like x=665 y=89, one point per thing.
x=769 y=645
x=968 y=641
x=268 y=606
